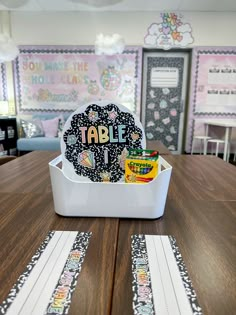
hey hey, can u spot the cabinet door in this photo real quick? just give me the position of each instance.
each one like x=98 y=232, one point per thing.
x=164 y=97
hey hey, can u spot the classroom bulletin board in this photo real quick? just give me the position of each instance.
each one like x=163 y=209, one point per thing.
x=214 y=80
x=61 y=78
x=213 y=88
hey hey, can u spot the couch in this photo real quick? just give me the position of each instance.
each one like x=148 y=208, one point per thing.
x=38 y=143
x=40 y=132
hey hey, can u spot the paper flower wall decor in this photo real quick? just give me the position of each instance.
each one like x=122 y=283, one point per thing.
x=109 y=45
x=8 y=49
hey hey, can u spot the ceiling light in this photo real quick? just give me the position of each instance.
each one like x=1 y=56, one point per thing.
x=11 y=4
x=8 y=49
x=97 y=3
x=109 y=45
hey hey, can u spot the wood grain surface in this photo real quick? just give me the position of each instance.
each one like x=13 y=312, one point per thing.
x=25 y=220
x=201 y=177
x=157 y=145
x=27 y=215
x=27 y=173
x=200 y=212
x=206 y=235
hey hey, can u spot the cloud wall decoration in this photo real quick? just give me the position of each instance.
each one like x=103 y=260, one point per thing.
x=171 y=32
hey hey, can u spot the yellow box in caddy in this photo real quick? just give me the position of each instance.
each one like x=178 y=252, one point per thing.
x=141 y=166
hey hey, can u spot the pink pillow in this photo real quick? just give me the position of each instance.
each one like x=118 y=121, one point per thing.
x=50 y=127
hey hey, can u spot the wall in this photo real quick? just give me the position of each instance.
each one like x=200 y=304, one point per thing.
x=81 y=28
x=74 y=28
x=5 y=28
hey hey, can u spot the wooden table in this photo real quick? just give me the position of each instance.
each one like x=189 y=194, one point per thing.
x=26 y=216
x=157 y=145
x=200 y=213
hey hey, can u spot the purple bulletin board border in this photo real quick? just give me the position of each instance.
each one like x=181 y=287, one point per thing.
x=3 y=74
x=194 y=80
x=81 y=49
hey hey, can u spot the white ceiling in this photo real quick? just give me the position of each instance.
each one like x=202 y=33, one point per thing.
x=122 y=5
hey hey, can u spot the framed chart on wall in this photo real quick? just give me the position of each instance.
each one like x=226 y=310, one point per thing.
x=3 y=83
x=214 y=81
x=61 y=78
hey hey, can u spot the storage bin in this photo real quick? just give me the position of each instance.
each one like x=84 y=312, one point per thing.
x=89 y=199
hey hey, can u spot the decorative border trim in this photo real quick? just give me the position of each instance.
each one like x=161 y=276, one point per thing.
x=136 y=50
x=67 y=281
x=190 y=292
x=192 y=129
x=22 y=279
x=4 y=81
x=141 y=285
x=143 y=300
x=69 y=276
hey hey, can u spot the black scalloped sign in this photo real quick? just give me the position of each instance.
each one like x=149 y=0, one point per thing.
x=96 y=140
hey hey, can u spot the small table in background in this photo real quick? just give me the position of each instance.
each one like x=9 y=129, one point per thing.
x=227 y=124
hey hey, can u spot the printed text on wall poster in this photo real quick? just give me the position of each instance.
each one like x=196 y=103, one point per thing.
x=52 y=79
x=215 y=82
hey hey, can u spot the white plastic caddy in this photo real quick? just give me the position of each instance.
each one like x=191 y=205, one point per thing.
x=89 y=199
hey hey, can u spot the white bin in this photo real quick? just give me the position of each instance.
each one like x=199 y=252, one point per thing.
x=89 y=199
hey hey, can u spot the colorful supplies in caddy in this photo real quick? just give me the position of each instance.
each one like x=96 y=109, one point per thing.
x=141 y=166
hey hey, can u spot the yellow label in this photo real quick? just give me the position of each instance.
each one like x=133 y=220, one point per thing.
x=140 y=171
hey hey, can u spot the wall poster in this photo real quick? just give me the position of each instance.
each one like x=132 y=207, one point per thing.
x=164 y=97
x=172 y=31
x=61 y=78
x=3 y=83
x=214 y=90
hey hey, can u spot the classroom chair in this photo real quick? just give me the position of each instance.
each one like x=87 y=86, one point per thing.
x=203 y=143
x=217 y=142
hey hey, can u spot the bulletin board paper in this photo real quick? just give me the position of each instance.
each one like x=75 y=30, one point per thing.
x=50 y=278
x=160 y=284
x=61 y=78
x=214 y=81
x=3 y=83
